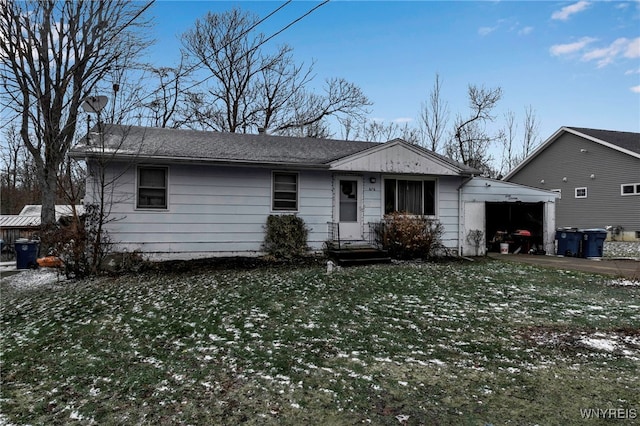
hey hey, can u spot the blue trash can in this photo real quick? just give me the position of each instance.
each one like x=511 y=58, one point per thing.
x=568 y=242
x=593 y=242
x=26 y=254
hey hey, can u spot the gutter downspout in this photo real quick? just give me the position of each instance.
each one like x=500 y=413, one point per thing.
x=461 y=215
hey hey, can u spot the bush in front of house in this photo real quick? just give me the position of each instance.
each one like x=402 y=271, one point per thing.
x=285 y=236
x=410 y=237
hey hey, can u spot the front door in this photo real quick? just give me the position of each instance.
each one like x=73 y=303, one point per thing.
x=348 y=201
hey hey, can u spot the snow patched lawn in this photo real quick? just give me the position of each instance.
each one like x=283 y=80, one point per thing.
x=423 y=343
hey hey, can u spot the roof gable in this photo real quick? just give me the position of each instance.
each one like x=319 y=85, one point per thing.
x=625 y=142
x=399 y=156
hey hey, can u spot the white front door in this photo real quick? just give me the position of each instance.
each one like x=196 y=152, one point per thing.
x=348 y=203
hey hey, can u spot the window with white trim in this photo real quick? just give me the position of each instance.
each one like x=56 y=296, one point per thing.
x=559 y=191
x=630 y=189
x=285 y=191
x=152 y=187
x=412 y=196
x=581 y=192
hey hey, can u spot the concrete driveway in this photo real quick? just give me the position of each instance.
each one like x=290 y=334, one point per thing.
x=623 y=268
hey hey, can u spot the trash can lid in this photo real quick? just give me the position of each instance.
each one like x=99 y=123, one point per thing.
x=593 y=230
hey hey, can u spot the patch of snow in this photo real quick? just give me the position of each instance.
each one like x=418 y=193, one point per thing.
x=623 y=282
x=402 y=418
x=4 y=421
x=622 y=249
x=32 y=279
x=602 y=344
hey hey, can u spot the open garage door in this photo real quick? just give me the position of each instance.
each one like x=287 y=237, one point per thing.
x=504 y=219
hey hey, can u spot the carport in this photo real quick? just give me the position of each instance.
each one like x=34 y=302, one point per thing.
x=518 y=215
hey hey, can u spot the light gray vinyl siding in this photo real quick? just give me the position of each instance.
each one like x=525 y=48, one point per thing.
x=603 y=205
x=222 y=210
x=447 y=207
x=212 y=210
x=372 y=196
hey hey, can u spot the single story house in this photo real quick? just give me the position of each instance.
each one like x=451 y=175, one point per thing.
x=188 y=194
x=597 y=174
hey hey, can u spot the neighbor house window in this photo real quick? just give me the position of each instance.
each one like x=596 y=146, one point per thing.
x=559 y=191
x=152 y=187
x=581 y=192
x=410 y=196
x=285 y=191
x=630 y=189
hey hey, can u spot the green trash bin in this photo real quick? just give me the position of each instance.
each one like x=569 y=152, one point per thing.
x=593 y=242
x=27 y=254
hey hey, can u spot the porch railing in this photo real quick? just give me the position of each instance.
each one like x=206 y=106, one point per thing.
x=371 y=229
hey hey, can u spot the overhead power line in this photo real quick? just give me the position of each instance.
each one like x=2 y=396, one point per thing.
x=289 y=25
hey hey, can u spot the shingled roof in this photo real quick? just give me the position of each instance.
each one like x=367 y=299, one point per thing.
x=626 y=140
x=180 y=144
x=205 y=146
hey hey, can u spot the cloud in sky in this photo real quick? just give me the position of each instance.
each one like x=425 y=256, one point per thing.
x=483 y=31
x=569 y=48
x=564 y=13
x=620 y=47
x=525 y=31
x=633 y=49
x=635 y=89
x=631 y=72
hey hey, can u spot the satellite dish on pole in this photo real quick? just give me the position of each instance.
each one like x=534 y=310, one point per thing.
x=94 y=103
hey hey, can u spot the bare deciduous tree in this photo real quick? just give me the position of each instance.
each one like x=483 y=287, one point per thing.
x=434 y=116
x=53 y=55
x=513 y=152
x=509 y=134
x=531 y=131
x=251 y=89
x=163 y=104
x=471 y=141
x=379 y=131
x=17 y=184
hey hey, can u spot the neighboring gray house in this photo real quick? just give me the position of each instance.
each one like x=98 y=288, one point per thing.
x=597 y=173
x=189 y=194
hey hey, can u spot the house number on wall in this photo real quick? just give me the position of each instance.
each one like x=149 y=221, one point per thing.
x=372 y=188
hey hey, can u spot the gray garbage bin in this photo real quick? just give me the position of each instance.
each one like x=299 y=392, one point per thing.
x=26 y=254
x=568 y=241
x=593 y=242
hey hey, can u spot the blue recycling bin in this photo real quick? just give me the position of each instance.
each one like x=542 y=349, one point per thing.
x=593 y=242
x=26 y=254
x=569 y=240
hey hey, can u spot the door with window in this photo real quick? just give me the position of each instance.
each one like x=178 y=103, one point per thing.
x=348 y=203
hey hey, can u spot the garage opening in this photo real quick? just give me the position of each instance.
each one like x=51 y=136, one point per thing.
x=518 y=224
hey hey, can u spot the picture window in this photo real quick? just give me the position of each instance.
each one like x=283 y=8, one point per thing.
x=417 y=197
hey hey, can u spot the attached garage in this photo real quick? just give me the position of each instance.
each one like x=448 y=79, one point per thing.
x=520 y=216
